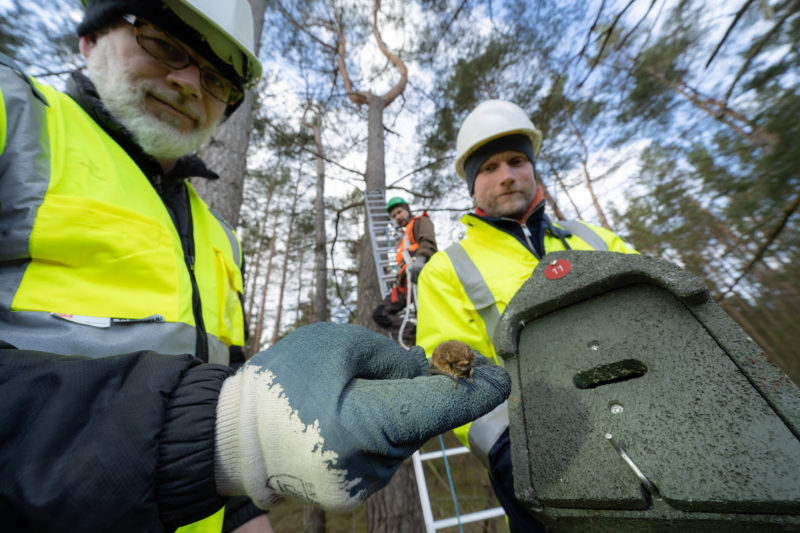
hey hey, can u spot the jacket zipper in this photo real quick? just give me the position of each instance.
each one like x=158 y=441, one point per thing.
x=528 y=236
x=201 y=339
x=201 y=346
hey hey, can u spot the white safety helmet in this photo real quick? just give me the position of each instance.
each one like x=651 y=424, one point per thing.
x=491 y=120
x=227 y=26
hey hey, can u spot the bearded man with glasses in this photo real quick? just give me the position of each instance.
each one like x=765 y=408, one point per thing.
x=121 y=307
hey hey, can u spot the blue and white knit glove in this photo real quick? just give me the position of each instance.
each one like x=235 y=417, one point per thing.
x=328 y=414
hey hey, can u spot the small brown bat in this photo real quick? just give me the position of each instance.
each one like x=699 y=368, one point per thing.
x=453 y=359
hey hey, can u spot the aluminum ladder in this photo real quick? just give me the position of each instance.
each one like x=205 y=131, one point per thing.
x=432 y=525
x=382 y=238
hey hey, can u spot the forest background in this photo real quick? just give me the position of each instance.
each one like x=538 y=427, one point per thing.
x=674 y=123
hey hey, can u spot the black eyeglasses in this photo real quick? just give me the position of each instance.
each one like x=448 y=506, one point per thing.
x=173 y=53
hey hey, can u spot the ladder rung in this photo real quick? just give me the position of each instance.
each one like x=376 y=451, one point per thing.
x=470 y=517
x=439 y=454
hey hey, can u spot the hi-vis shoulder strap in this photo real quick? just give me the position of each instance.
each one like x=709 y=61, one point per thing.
x=475 y=286
x=586 y=233
x=478 y=291
x=232 y=239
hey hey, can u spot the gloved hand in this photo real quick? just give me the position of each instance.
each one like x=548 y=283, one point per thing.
x=415 y=268
x=328 y=414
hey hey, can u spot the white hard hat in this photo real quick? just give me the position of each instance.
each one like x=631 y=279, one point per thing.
x=227 y=27
x=491 y=120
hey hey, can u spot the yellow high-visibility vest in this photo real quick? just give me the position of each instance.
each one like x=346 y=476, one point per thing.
x=100 y=267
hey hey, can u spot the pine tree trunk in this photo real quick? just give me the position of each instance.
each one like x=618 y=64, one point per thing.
x=300 y=257
x=313 y=519
x=259 y=326
x=320 y=304
x=396 y=509
x=368 y=291
x=262 y=227
x=279 y=312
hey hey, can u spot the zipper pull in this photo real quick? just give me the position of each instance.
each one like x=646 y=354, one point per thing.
x=527 y=233
x=157 y=184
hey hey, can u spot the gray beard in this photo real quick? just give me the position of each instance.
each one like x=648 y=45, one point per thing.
x=125 y=101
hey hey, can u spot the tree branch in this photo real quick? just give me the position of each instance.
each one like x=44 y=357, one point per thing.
x=418 y=169
x=560 y=181
x=357 y=97
x=607 y=32
x=622 y=41
x=339 y=212
x=288 y=16
x=754 y=52
x=730 y=29
x=787 y=213
x=584 y=164
x=400 y=86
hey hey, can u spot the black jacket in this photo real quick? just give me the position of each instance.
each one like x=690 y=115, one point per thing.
x=123 y=443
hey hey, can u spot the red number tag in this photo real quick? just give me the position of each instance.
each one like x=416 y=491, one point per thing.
x=557 y=269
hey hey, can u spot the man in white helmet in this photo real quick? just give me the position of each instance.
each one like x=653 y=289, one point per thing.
x=120 y=306
x=464 y=289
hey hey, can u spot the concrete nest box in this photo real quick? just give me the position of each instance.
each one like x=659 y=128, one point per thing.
x=638 y=405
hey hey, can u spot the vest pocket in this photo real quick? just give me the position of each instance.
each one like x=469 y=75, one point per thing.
x=93 y=258
x=230 y=320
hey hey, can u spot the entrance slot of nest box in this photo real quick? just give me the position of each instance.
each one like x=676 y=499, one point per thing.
x=611 y=373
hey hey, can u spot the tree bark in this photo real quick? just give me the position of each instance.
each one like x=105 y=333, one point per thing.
x=300 y=286
x=368 y=290
x=396 y=508
x=313 y=519
x=320 y=303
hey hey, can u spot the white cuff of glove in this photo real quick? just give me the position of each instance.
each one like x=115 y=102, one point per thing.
x=239 y=466
x=265 y=451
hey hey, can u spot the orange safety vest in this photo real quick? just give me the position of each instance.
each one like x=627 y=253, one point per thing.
x=404 y=242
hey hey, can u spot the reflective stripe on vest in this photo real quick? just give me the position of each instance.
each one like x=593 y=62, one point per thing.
x=586 y=233
x=475 y=286
x=91 y=262
x=232 y=238
x=485 y=431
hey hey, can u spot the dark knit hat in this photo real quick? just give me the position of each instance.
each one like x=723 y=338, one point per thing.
x=516 y=142
x=100 y=14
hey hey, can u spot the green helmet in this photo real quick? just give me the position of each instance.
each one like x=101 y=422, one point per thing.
x=395 y=202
